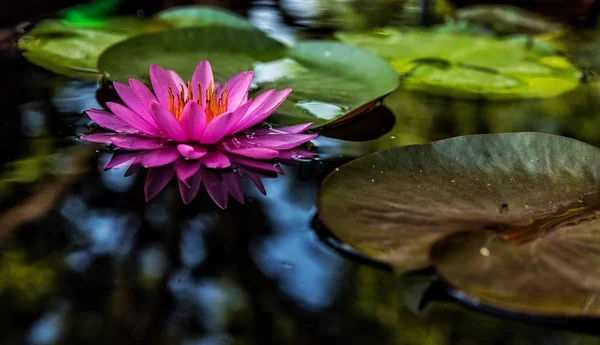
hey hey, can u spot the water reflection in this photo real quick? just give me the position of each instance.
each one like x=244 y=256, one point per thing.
x=292 y=255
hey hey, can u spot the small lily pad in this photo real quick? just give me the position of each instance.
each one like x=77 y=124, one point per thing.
x=393 y=205
x=329 y=80
x=468 y=66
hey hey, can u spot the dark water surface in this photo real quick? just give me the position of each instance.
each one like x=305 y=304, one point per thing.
x=85 y=260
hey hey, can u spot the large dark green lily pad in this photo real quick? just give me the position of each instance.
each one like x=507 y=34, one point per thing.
x=329 y=79
x=393 y=205
x=467 y=66
x=72 y=46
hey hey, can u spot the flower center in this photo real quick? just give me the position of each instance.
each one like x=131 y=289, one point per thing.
x=215 y=104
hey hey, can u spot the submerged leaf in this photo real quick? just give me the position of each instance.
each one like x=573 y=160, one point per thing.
x=468 y=66
x=329 y=80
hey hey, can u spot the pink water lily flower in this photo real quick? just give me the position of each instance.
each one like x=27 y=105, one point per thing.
x=186 y=129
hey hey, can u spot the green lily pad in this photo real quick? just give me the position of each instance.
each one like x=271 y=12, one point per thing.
x=507 y=20
x=73 y=50
x=467 y=66
x=329 y=79
x=72 y=46
x=393 y=205
x=186 y=16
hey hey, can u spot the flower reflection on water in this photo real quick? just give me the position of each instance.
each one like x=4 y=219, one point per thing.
x=199 y=131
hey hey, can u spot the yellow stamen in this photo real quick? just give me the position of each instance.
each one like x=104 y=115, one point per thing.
x=171 y=101
x=213 y=107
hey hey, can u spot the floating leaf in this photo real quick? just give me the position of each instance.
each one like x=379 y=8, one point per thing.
x=503 y=19
x=73 y=50
x=393 y=205
x=329 y=79
x=185 y=16
x=72 y=46
x=467 y=66
x=554 y=274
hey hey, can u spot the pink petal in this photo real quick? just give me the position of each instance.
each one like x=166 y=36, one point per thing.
x=160 y=157
x=233 y=186
x=253 y=164
x=257 y=182
x=130 y=97
x=267 y=108
x=201 y=81
x=145 y=96
x=133 y=168
x=133 y=119
x=297 y=153
x=181 y=85
x=215 y=187
x=216 y=160
x=167 y=123
x=161 y=83
x=102 y=138
x=190 y=189
x=186 y=169
x=191 y=151
x=255 y=104
x=258 y=153
x=120 y=158
x=222 y=125
x=295 y=129
x=193 y=121
x=281 y=141
x=157 y=179
x=132 y=142
x=237 y=89
x=217 y=128
x=262 y=107
x=107 y=120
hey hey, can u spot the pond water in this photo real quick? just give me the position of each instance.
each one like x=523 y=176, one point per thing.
x=85 y=260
